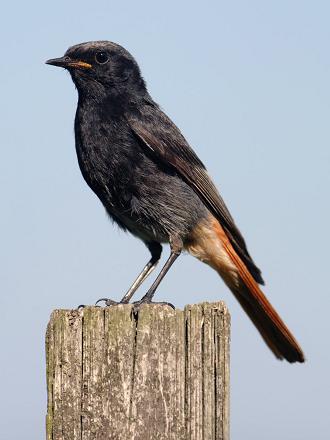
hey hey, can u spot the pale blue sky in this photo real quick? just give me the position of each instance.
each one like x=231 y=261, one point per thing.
x=248 y=84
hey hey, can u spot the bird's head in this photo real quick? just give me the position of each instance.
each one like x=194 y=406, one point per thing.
x=102 y=68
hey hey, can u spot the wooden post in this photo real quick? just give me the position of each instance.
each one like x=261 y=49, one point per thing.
x=163 y=374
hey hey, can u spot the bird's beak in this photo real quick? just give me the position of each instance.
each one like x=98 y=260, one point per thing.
x=67 y=62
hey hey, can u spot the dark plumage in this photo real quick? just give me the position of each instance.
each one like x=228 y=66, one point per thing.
x=152 y=183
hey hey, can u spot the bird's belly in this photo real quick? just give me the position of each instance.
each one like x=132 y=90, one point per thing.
x=160 y=207
x=143 y=231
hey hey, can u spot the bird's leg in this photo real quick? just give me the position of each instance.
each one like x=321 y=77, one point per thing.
x=156 y=250
x=176 y=249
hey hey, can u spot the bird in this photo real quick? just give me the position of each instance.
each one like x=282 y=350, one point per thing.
x=153 y=185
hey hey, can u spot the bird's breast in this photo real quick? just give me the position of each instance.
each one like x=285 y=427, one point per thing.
x=105 y=157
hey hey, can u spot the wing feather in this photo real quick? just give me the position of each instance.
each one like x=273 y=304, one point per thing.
x=159 y=135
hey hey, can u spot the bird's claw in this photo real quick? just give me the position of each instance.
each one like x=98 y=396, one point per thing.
x=108 y=302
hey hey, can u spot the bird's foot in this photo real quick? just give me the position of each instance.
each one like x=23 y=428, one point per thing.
x=81 y=306
x=108 y=302
x=138 y=304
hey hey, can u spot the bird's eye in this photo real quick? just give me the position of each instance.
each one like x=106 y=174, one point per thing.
x=101 y=57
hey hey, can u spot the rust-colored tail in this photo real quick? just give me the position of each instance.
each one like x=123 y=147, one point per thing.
x=210 y=244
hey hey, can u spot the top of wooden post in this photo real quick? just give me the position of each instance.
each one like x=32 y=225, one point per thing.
x=160 y=374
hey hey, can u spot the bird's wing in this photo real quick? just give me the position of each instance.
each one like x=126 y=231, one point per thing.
x=159 y=135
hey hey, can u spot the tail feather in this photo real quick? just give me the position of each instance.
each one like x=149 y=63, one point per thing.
x=280 y=341
x=209 y=243
x=270 y=325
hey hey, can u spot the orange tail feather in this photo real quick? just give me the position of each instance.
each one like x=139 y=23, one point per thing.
x=209 y=243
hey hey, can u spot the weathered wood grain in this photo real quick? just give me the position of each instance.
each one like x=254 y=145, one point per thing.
x=162 y=374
